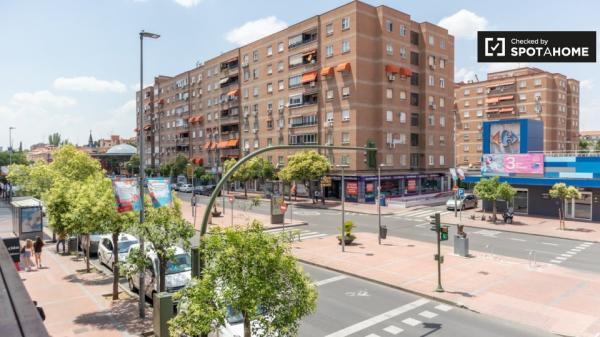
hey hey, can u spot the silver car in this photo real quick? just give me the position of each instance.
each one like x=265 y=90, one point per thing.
x=105 y=249
x=469 y=201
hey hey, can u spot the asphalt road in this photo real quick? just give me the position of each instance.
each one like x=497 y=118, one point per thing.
x=414 y=225
x=349 y=306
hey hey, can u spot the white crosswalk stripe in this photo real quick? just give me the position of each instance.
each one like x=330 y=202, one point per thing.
x=296 y=234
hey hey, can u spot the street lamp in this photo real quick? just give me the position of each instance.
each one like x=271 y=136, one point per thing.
x=379 y=199
x=10 y=147
x=142 y=299
x=343 y=166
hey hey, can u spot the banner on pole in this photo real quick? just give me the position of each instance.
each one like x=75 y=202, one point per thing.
x=160 y=191
x=127 y=193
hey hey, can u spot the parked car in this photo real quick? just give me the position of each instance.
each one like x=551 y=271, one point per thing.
x=188 y=188
x=469 y=201
x=177 y=275
x=105 y=249
x=208 y=190
x=94 y=242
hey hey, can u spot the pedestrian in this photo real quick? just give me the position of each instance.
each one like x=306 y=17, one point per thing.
x=26 y=253
x=37 y=251
x=62 y=237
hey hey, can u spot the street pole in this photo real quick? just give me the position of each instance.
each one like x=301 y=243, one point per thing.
x=455 y=202
x=379 y=203
x=439 y=253
x=232 y=201
x=343 y=208
x=142 y=285
x=10 y=147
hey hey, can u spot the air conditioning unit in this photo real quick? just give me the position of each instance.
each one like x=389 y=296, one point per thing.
x=281 y=109
x=329 y=124
x=391 y=77
x=255 y=130
x=244 y=64
x=246 y=115
x=432 y=105
x=432 y=66
x=313 y=84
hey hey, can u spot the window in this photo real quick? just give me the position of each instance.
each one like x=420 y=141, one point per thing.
x=280 y=66
x=255 y=91
x=537 y=82
x=345 y=46
x=442 y=160
x=479 y=90
x=442 y=102
x=245 y=92
x=345 y=115
x=442 y=121
x=402 y=139
x=431 y=160
x=442 y=140
x=389 y=159
x=389 y=138
x=255 y=73
x=414 y=38
x=389 y=26
x=522 y=97
x=403 y=160
x=329 y=29
x=269 y=88
x=523 y=84
x=467 y=92
x=270 y=140
x=414 y=119
x=466 y=148
x=389 y=48
x=345 y=160
x=402 y=95
x=414 y=58
x=295 y=60
x=467 y=103
x=256 y=143
x=479 y=101
x=403 y=52
x=269 y=51
x=442 y=46
x=479 y=113
x=466 y=126
x=255 y=55
x=431 y=80
x=402 y=117
x=389 y=93
x=414 y=99
x=389 y=116
x=280 y=160
x=345 y=23
x=345 y=92
x=414 y=139
x=329 y=50
x=431 y=40
x=402 y=30
x=295 y=81
x=345 y=138
x=466 y=114
x=522 y=108
x=431 y=120
x=329 y=116
x=269 y=69
x=329 y=94
x=295 y=100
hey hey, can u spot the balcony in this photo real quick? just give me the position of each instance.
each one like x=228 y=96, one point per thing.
x=229 y=66
x=502 y=89
x=302 y=39
x=226 y=82
x=308 y=58
x=306 y=100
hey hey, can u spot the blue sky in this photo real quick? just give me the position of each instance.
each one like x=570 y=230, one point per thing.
x=73 y=66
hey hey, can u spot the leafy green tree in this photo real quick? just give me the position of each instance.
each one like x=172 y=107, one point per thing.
x=73 y=164
x=506 y=192
x=584 y=144
x=166 y=169
x=199 y=172
x=133 y=164
x=18 y=158
x=305 y=166
x=33 y=180
x=597 y=146
x=492 y=190
x=562 y=192
x=163 y=228
x=179 y=165
x=54 y=139
x=254 y=274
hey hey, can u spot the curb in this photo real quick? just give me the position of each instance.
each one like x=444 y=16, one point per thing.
x=339 y=210
x=525 y=233
x=304 y=223
x=122 y=287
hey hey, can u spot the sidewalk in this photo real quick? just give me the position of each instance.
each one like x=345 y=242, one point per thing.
x=544 y=296
x=576 y=230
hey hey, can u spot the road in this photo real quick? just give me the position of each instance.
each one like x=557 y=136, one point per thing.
x=414 y=225
x=349 y=306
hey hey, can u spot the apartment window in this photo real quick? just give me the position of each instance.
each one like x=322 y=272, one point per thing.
x=466 y=148
x=442 y=140
x=414 y=139
x=295 y=100
x=345 y=23
x=402 y=30
x=479 y=101
x=389 y=93
x=255 y=55
x=414 y=38
x=467 y=92
x=295 y=81
x=255 y=91
x=345 y=159
x=329 y=94
x=442 y=46
x=329 y=50
x=329 y=29
x=280 y=85
x=402 y=117
x=389 y=159
x=414 y=58
x=345 y=138
x=465 y=137
x=414 y=99
x=537 y=82
x=442 y=160
x=279 y=160
x=389 y=116
x=329 y=116
x=345 y=46
x=402 y=139
x=523 y=84
x=255 y=73
x=442 y=121
x=280 y=66
x=270 y=140
x=479 y=90
x=389 y=48
x=402 y=94
x=467 y=103
x=269 y=107
x=345 y=92
x=522 y=97
x=403 y=160
x=414 y=119
x=389 y=26
x=403 y=52
x=246 y=74
x=442 y=83
x=431 y=80
x=345 y=115
x=431 y=40
x=479 y=113
x=466 y=126
x=269 y=69
x=522 y=108
x=269 y=51
x=256 y=143
x=269 y=88
x=442 y=102
x=466 y=114
x=442 y=64
x=414 y=79
x=431 y=120
x=431 y=161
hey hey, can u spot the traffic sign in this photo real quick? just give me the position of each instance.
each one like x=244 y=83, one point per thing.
x=283 y=207
x=461 y=193
x=326 y=181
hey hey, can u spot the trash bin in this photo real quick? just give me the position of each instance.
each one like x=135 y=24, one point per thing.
x=461 y=245
x=383 y=231
x=72 y=245
x=382 y=201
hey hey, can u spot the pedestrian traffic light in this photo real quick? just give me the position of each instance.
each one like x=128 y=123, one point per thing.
x=444 y=233
x=434 y=221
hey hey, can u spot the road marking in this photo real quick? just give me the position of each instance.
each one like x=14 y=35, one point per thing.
x=516 y=239
x=421 y=225
x=577 y=249
x=330 y=280
x=307 y=213
x=587 y=243
x=550 y=243
x=443 y=307
x=560 y=258
x=378 y=319
x=567 y=254
x=311 y=236
x=411 y=322
x=428 y=314
x=372 y=335
x=393 y=330
x=555 y=261
x=488 y=233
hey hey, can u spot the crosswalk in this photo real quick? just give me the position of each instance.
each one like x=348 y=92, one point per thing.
x=296 y=234
x=418 y=214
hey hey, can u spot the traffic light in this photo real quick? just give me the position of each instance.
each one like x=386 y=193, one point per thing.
x=434 y=221
x=444 y=233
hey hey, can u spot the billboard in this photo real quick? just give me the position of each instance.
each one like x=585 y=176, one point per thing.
x=160 y=191
x=505 y=138
x=127 y=194
x=31 y=219
x=498 y=164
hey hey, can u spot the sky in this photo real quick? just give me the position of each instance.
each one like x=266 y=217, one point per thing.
x=73 y=66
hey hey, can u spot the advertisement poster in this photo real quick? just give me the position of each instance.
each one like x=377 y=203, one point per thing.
x=31 y=219
x=530 y=163
x=411 y=185
x=352 y=189
x=277 y=201
x=504 y=138
x=127 y=194
x=160 y=191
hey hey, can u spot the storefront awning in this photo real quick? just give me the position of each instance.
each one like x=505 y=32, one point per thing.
x=309 y=77
x=392 y=69
x=327 y=71
x=207 y=145
x=343 y=67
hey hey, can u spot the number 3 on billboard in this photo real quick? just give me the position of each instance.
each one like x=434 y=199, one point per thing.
x=510 y=163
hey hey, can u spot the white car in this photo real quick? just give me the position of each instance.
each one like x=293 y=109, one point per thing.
x=186 y=188
x=234 y=324
x=105 y=248
x=469 y=201
x=177 y=276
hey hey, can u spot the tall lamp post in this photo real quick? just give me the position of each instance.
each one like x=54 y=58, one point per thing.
x=343 y=166
x=10 y=147
x=379 y=199
x=143 y=34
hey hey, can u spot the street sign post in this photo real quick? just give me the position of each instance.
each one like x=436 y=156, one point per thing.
x=283 y=207
x=461 y=193
x=231 y=201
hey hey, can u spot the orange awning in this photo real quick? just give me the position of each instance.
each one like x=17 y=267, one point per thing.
x=327 y=71
x=405 y=71
x=207 y=145
x=314 y=51
x=390 y=68
x=191 y=119
x=507 y=109
x=505 y=98
x=232 y=143
x=343 y=67
x=199 y=119
x=223 y=144
x=234 y=92
x=147 y=127
x=309 y=77
x=491 y=100
x=491 y=110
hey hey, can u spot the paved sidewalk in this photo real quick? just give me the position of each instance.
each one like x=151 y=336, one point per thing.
x=545 y=296
x=576 y=230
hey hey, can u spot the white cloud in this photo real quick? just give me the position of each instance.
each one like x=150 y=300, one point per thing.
x=88 y=83
x=188 y=3
x=41 y=99
x=254 y=30
x=586 y=84
x=464 y=75
x=464 y=24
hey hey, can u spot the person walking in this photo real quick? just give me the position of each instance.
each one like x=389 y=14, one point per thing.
x=62 y=237
x=37 y=251
x=26 y=252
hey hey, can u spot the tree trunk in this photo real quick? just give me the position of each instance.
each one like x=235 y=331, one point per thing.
x=246 y=189
x=310 y=195
x=247 y=329
x=87 y=253
x=115 y=266
x=494 y=210
x=161 y=274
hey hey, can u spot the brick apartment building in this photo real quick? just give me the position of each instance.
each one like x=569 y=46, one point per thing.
x=354 y=74
x=524 y=93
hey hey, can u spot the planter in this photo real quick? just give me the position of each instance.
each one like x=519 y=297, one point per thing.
x=216 y=214
x=348 y=239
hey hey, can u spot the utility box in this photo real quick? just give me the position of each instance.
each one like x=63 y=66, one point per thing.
x=461 y=246
x=27 y=217
x=162 y=313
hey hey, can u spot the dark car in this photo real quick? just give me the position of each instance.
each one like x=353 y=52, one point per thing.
x=207 y=190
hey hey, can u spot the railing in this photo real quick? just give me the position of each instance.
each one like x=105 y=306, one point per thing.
x=573 y=153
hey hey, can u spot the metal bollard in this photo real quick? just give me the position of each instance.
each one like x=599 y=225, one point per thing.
x=162 y=313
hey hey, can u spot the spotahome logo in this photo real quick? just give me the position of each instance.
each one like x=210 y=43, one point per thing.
x=536 y=46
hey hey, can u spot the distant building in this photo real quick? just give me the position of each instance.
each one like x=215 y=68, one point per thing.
x=41 y=152
x=105 y=144
x=590 y=135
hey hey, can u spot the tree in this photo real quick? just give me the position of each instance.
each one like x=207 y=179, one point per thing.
x=562 y=192
x=18 y=158
x=584 y=144
x=163 y=228
x=33 y=180
x=54 y=139
x=597 y=146
x=492 y=190
x=305 y=166
x=133 y=164
x=254 y=274
x=20 y=146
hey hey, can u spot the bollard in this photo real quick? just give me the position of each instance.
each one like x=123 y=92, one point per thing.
x=162 y=313
x=195 y=261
